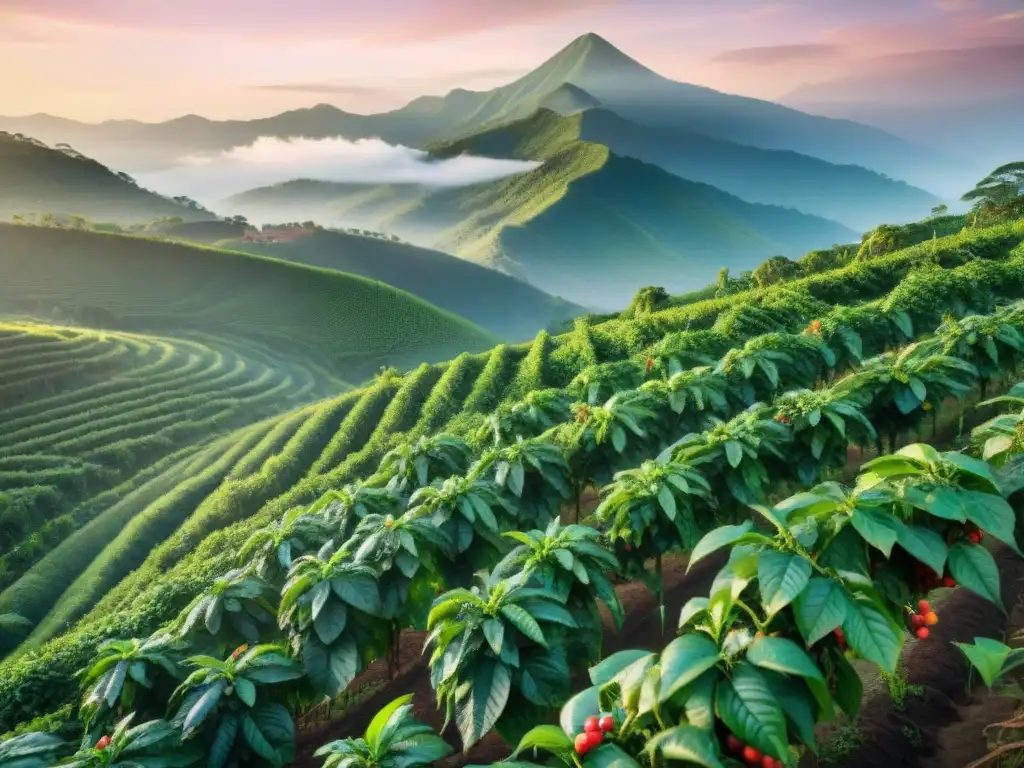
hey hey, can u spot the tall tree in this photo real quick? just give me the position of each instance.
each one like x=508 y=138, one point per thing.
x=1000 y=187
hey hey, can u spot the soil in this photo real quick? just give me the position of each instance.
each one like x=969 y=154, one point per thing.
x=942 y=723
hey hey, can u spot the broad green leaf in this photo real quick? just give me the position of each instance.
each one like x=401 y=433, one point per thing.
x=920 y=452
x=796 y=703
x=524 y=622
x=608 y=668
x=360 y=591
x=748 y=708
x=781 y=655
x=667 y=501
x=694 y=607
x=720 y=537
x=987 y=656
x=494 y=632
x=689 y=744
x=584 y=704
x=223 y=741
x=734 y=453
x=924 y=544
x=257 y=741
x=380 y=720
x=483 y=701
x=246 y=691
x=203 y=706
x=974 y=568
x=550 y=738
x=848 y=688
x=609 y=756
x=331 y=668
x=869 y=632
x=781 y=577
x=684 y=660
x=992 y=514
x=876 y=528
x=940 y=502
x=971 y=466
x=331 y=621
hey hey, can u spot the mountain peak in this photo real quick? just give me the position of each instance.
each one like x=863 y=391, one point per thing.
x=590 y=57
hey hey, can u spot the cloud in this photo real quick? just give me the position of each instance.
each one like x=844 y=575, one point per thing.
x=404 y=85
x=778 y=54
x=383 y=21
x=365 y=161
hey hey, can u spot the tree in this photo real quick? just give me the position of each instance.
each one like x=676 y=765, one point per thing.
x=648 y=300
x=1000 y=187
x=775 y=270
x=940 y=210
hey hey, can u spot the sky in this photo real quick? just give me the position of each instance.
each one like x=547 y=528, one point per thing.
x=158 y=59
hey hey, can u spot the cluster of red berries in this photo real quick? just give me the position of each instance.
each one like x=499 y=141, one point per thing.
x=927 y=579
x=924 y=618
x=976 y=535
x=239 y=651
x=749 y=754
x=594 y=729
x=840 y=638
x=103 y=743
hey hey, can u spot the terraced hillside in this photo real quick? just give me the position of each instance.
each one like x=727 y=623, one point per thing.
x=253 y=476
x=346 y=324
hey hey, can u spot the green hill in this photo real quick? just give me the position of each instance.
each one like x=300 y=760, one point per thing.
x=38 y=180
x=188 y=519
x=505 y=306
x=587 y=224
x=849 y=194
x=347 y=324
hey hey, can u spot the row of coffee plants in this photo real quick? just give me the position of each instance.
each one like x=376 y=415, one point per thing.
x=389 y=565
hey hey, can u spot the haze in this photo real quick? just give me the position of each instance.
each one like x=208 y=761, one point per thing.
x=154 y=60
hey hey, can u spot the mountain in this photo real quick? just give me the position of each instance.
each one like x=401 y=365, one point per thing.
x=852 y=195
x=346 y=324
x=969 y=101
x=509 y=308
x=568 y=99
x=588 y=225
x=38 y=179
x=589 y=63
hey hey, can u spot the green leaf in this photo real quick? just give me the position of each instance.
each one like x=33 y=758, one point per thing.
x=689 y=744
x=974 y=568
x=618 y=438
x=609 y=756
x=734 y=453
x=720 y=537
x=747 y=707
x=993 y=515
x=360 y=591
x=987 y=656
x=608 y=668
x=257 y=741
x=331 y=622
x=524 y=622
x=577 y=709
x=694 y=607
x=483 y=702
x=380 y=720
x=494 y=632
x=781 y=576
x=819 y=609
x=516 y=478
x=870 y=634
x=246 y=691
x=550 y=738
x=940 y=502
x=877 y=529
x=223 y=741
x=781 y=655
x=849 y=690
x=331 y=668
x=203 y=706
x=667 y=501
x=684 y=660
x=924 y=544
x=797 y=704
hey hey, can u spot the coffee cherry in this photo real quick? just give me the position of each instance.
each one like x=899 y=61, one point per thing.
x=594 y=739
x=606 y=723
x=923 y=607
x=591 y=724
x=733 y=744
x=931 y=618
x=582 y=743
x=751 y=755
x=922 y=633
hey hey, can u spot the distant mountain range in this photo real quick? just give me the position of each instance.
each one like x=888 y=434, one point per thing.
x=37 y=179
x=606 y=75
x=588 y=225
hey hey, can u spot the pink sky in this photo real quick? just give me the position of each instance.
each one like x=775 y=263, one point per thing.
x=156 y=59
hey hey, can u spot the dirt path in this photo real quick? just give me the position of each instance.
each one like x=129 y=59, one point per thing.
x=943 y=725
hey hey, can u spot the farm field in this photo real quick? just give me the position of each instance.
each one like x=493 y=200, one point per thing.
x=346 y=325
x=850 y=335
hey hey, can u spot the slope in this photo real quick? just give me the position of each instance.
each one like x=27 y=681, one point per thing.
x=302 y=454
x=587 y=224
x=503 y=305
x=345 y=323
x=38 y=179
